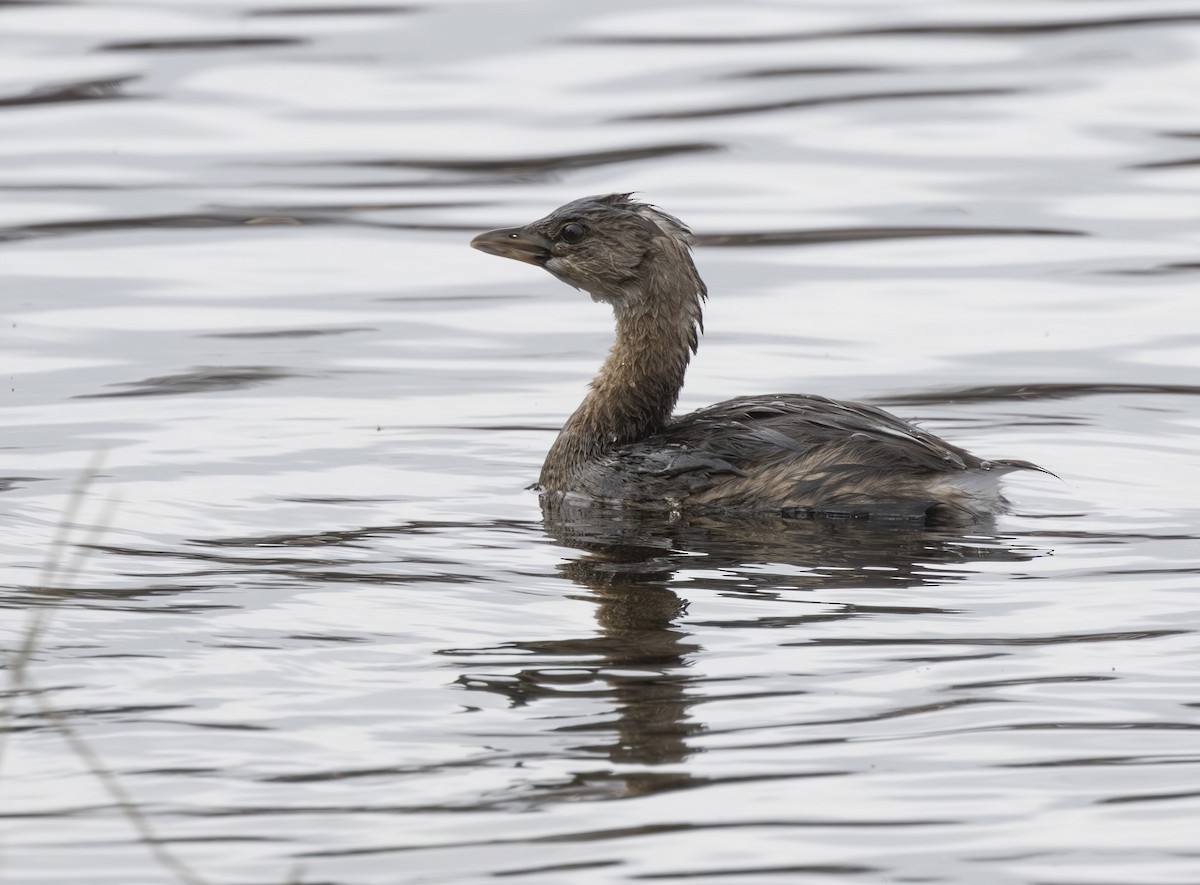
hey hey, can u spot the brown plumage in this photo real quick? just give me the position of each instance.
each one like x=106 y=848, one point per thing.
x=789 y=454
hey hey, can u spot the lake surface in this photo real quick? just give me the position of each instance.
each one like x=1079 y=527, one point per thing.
x=307 y=616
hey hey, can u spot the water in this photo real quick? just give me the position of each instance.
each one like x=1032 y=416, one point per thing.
x=323 y=633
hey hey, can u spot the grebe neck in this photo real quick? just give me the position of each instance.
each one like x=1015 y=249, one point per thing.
x=635 y=391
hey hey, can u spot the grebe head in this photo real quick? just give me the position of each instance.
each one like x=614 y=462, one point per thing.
x=606 y=245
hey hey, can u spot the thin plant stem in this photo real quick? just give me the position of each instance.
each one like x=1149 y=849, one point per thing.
x=59 y=573
x=137 y=818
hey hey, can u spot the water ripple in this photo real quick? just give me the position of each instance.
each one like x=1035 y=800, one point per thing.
x=190 y=44
x=820 y=101
x=866 y=234
x=107 y=89
x=973 y=29
x=205 y=379
x=1000 y=392
x=545 y=164
x=305 y=11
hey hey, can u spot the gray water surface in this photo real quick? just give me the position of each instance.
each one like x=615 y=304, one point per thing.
x=322 y=632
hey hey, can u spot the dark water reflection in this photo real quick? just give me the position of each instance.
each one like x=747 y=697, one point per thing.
x=637 y=663
x=639 y=548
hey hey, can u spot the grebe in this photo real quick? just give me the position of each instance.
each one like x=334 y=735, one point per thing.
x=789 y=454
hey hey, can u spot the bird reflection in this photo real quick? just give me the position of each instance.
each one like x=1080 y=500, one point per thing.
x=639 y=663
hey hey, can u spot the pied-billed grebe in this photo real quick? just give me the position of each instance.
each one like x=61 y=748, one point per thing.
x=789 y=454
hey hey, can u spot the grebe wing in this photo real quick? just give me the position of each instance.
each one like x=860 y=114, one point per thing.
x=797 y=455
x=770 y=428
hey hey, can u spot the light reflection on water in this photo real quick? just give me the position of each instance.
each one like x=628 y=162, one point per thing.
x=326 y=628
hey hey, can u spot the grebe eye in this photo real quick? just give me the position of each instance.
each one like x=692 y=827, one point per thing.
x=572 y=233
